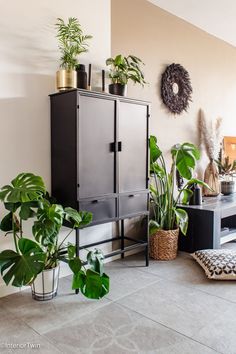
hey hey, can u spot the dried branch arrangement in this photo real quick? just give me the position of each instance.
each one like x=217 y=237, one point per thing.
x=210 y=136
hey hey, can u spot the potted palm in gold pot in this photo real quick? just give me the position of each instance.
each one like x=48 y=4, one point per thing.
x=72 y=42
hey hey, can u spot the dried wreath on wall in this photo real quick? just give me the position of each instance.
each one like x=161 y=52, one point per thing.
x=176 y=88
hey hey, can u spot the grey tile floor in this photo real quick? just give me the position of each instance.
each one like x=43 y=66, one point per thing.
x=168 y=308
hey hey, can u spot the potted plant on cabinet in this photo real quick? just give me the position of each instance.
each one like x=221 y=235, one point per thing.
x=122 y=70
x=72 y=42
x=168 y=217
x=35 y=262
x=226 y=171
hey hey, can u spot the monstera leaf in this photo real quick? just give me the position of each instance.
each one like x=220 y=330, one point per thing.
x=186 y=155
x=26 y=187
x=91 y=284
x=78 y=218
x=49 y=222
x=22 y=268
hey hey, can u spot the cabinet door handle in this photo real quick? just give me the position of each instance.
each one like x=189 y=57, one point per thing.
x=134 y=195
x=96 y=201
x=114 y=147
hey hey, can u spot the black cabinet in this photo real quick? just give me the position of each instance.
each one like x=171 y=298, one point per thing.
x=99 y=150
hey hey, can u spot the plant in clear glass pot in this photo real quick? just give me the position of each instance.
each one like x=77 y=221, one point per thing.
x=35 y=261
x=72 y=42
x=122 y=70
x=167 y=216
x=227 y=171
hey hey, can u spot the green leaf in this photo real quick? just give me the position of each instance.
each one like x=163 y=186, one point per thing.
x=12 y=206
x=24 y=188
x=186 y=195
x=95 y=260
x=79 y=280
x=78 y=218
x=95 y=286
x=181 y=219
x=198 y=181
x=153 y=227
x=155 y=152
x=75 y=265
x=26 y=210
x=186 y=156
x=49 y=222
x=22 y=268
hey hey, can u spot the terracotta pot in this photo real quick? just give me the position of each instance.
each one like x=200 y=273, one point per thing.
x=164 y=244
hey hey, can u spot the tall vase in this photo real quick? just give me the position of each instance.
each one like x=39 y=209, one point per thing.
x=211 y=177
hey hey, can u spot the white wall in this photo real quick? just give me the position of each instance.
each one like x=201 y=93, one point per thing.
x=29 y=59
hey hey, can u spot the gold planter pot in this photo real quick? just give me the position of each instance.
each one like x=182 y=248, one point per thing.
x=164 y=245
x=66 y=79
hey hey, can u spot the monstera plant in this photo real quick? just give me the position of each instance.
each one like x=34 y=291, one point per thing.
x=25 y=198
x=168 y=216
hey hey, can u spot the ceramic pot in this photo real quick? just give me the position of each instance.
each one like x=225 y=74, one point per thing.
x=118 y=89
x=45 y=285
x=227 y=187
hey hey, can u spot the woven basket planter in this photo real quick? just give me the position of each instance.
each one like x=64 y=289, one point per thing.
x=164 y=245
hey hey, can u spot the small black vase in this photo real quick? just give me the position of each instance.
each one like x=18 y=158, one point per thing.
x=81 y=77
x=118 y=89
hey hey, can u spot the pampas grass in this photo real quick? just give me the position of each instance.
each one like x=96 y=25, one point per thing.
x=210 y=135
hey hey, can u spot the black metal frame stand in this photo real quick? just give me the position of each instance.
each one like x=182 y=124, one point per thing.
x=122 y=238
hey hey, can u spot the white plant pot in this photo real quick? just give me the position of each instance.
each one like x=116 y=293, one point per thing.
x=45 y=285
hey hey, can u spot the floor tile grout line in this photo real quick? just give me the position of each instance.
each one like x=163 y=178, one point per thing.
x=187 y=286
x=133 y=292
x=171 y=329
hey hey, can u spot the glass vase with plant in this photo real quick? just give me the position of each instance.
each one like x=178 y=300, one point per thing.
x=167 y=216
x=122 y=70
x=72 y=43
x=32 y=260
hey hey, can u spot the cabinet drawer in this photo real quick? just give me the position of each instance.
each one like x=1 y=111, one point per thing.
x=102 y=209
x=133 y=203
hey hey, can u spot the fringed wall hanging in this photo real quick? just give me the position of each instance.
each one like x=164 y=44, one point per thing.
x=176 y=89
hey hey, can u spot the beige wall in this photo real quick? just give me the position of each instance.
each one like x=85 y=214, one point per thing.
x=160 y=39
x=29 y=58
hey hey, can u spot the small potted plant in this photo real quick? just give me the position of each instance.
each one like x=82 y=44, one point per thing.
x=167 y=216
x=35 y=261
x=122 y=70
x=72 y=42
x=226 y=171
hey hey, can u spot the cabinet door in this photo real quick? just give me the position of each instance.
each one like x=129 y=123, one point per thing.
x=132 y=131
x=96 y=130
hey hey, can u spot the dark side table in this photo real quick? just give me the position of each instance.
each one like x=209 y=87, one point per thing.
x=211 y=224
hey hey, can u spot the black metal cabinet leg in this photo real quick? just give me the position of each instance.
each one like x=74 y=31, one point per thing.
x=122 y=242
x=77 y=249
x=147 y=247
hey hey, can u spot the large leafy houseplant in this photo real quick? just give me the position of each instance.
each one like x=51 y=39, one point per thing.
x=72 y=43
x=124 y=69
x=165 y=200
x=25 y=198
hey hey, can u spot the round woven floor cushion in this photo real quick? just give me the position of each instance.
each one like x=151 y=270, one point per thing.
x=218 y=264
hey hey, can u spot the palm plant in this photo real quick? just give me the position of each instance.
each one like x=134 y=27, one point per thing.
x=226 y=168
x=124 y=69
x=72 y=42
x=167 y=215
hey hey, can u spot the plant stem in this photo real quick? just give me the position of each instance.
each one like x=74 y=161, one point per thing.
x=14 y=233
